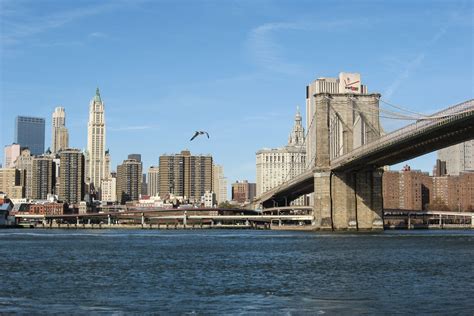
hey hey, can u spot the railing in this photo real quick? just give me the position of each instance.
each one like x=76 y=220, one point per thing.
x=447 y=115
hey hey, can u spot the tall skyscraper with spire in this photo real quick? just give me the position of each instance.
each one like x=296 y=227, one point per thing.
x=96 y=162
x=60 y=136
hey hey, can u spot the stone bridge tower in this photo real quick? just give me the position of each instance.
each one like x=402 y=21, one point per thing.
x=345 y=199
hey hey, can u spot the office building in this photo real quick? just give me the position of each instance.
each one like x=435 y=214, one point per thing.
x=71 y=176
x=219 y=183
x=60 y=134
x=186 y=176
x=96 y=162
x=29 y=132
x=153 y=180
x=129 y=181
x=10 y=154
x=278 y=165
x=458 y=158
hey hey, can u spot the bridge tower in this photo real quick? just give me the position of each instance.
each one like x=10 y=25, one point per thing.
x=346 y=199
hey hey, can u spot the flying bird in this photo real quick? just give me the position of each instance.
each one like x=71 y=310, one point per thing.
x=199 y=133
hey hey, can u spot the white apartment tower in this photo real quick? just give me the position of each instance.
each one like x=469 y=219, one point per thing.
x=60 y=134
x=96 y=162
x=277 y=165
x=459 y=158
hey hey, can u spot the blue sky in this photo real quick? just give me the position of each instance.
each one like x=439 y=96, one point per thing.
x=237 y=69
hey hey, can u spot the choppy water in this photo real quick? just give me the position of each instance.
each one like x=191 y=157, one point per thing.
x=236 y=272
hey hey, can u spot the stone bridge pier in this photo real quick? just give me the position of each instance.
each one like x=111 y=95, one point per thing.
x=348 y=200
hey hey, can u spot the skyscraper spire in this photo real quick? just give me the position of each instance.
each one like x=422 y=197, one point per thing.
x=97 y=95
x=297 y=134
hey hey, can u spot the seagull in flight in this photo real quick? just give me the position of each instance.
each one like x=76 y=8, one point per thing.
x=197 y=133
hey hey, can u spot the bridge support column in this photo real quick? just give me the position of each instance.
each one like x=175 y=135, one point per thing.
x=369 y=202
x=348 y=200
x=322 y=201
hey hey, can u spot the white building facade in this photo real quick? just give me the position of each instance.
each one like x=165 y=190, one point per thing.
x=278 y=165
x=96 y=162
x=219 y=185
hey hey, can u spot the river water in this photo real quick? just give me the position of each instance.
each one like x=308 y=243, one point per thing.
x=236 y=272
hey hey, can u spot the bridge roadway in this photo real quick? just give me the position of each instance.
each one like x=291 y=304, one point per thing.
x=445 y=128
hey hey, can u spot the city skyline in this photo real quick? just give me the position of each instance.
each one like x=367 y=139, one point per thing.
x=246 y=106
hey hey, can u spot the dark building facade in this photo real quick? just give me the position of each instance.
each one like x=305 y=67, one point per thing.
x=71 y=176
x=129 y=181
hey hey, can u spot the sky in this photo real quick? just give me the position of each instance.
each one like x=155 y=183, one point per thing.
x=237 y=69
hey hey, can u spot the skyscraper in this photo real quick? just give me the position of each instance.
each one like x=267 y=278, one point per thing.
x=458 y=157
x=129 y=180
x=96 y=143
x=71 y=176
x=185 y=175
x=29 y=132
x=60 y=135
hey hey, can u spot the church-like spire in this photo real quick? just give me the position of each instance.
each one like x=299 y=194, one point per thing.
x=97 y=95
x=297 y=134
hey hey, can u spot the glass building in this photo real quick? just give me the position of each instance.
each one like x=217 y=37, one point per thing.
x=29 y=132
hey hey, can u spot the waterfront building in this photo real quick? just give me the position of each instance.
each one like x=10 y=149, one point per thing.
x=129 y=178
x=11 y=183
x=219 y=183
x=71 y=176
x=243 y=191
x=43 y=177
x=458 y=158
x=29 y=132
x=153 y=180
x=346 y=83
x=415 y=190
x=10 y=154
x=25 y=163
x=96 y=162
x=407 y=189
x=60 y=134
x=439 y=169
x=277 y=165
x=185 y=175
